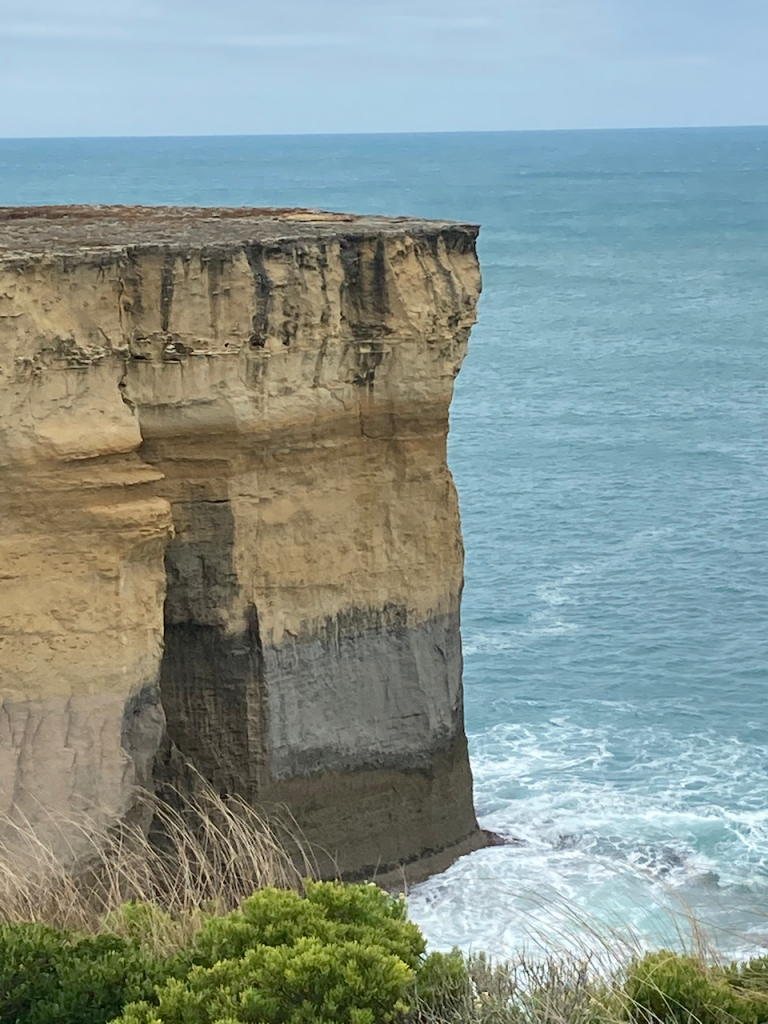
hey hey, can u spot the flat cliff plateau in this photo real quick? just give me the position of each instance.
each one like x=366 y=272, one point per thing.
x=230 y=537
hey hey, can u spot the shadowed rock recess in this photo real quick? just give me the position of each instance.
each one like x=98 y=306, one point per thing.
x=229 y=532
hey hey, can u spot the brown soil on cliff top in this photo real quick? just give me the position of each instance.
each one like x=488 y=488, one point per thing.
x=53 y=228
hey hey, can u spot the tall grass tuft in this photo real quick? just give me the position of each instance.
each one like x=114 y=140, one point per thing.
x=202 y=855
x=557 y=989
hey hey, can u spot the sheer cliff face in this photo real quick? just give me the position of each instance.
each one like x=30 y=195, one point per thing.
x=230 y=534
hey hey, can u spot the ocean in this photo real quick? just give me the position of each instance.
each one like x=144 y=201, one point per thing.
x=608 y=440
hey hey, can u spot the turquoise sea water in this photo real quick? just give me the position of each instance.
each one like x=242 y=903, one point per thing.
x=609 y=446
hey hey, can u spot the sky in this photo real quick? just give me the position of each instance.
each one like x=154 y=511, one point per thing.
x=231 y=67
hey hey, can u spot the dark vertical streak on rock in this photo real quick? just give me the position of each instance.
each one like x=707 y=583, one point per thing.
x=166 y=291
x=258 y=705
x=325 y=315
x=365 y=302
x=132 y=301
x=433 y=244
x=213 y=262
x=211 y=680
x=365 y=305
x=254 y=253
x=380 y=294
x=352 y=291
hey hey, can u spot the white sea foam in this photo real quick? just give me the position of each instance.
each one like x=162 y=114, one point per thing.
x=516 y=639
x=616 y=830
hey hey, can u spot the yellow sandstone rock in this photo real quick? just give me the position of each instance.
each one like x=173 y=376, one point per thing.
x=229 y=532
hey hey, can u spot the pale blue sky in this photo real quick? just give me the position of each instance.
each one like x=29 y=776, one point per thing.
x=208 y=67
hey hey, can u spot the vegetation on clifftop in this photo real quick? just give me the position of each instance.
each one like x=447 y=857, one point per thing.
x=339 y=954
x=174 y=933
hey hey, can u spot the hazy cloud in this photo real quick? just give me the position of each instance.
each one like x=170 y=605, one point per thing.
x=299 y=41
x=53 y=30
x=431 y=22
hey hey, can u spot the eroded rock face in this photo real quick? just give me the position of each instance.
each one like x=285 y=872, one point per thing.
x=229 y=531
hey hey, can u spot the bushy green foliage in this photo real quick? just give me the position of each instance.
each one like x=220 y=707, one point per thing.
x=307 y=982
x=751 y=975
x=443 y=985
x=52 y=977
x=341 y=953
x=666 y=988
x=329 y=912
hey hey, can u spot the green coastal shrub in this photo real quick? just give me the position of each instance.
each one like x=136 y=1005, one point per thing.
x=340 y=954
x=49 y=976
x=307 y=982
x=443 y=987
x=749 y=976
x=667 y=988
x=330 y=912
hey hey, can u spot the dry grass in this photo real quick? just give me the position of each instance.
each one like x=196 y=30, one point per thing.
x=562 y=989
x=203 y=855
x=568 y=989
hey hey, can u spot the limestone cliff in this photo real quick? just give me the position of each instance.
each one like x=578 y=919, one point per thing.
x=230 y=535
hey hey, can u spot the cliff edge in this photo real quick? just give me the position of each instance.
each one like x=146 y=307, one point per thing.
x=230 y=536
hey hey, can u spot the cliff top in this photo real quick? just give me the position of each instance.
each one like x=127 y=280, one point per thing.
x=71 y=228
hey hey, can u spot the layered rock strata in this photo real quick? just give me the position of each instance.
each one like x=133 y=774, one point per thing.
x=229 y=532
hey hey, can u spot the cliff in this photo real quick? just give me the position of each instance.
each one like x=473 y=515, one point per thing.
x=230 y=536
